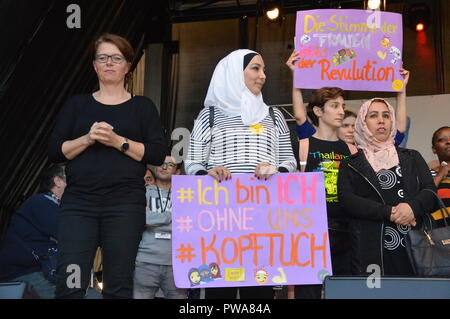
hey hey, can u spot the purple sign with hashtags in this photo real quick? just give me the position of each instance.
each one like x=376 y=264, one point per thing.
x=249 y=232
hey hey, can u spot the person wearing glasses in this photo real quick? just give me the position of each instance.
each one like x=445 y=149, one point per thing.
x=107 y=138
x=154 y=259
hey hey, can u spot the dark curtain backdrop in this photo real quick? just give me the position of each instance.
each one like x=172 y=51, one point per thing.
x=43 y=63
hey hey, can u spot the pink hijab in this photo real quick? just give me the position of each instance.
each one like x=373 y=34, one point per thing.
x=380 y=155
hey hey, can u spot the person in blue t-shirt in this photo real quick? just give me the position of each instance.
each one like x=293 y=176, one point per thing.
x=32 y=230
x=305 y=129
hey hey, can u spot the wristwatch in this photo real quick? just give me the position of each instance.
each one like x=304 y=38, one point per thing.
x=125 y=146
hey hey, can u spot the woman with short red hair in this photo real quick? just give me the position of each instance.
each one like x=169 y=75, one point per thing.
x=107 y=137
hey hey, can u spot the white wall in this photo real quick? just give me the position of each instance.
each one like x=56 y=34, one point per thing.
x=427 y=113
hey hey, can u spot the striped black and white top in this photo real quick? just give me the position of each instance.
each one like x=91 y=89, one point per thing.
x=239 y=147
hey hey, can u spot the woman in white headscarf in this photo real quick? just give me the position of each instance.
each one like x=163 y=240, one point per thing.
x=237 y=132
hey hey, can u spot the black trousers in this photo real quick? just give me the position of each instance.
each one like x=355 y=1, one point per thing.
x=263 y=292
x=116 y=229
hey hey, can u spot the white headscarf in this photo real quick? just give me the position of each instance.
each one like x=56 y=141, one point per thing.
x=228 y=92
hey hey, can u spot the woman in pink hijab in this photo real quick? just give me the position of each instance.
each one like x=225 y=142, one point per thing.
x=381 y=189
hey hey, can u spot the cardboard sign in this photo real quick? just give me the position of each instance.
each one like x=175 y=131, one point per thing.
x=350 y=49
x=249 y=232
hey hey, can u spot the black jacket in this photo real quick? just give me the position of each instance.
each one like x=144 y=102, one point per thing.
x=360 y=196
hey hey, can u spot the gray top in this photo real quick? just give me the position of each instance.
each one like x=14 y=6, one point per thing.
x=156 y=244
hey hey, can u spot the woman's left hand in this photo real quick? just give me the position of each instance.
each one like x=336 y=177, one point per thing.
x=402 y=214
x=103 y=133
x=264 y=171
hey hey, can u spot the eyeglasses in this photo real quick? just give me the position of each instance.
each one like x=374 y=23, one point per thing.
x=115 y=58
x=169 y=164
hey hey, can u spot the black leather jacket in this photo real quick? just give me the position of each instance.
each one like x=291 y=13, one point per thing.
x=360 y=196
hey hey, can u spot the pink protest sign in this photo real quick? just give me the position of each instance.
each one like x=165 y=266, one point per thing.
x=351 y=49
x=249 y=232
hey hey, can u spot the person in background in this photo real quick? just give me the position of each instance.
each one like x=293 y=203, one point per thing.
x=154 y=259
x=382 y=191
x=107 y=137
x=33 y=230
x=239 y=113
x=305 y=129
x=149 y=177
x=441 y=172
x=346 y=132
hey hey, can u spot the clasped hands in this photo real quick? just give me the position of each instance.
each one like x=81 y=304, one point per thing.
x=262 y=171
x=102 y=132
x=402 y=214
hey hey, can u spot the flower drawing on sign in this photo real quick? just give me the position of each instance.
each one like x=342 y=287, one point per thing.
x=343 y=56
x=385 y=42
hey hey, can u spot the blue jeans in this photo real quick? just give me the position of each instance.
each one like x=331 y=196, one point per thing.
x=148 y=278
x=44 y=288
